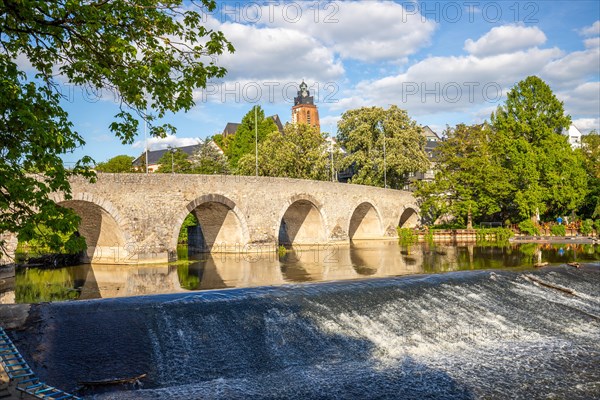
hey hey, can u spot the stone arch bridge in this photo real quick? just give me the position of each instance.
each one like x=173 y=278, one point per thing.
x=136 y=218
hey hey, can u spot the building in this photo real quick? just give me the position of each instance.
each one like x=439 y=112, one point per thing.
x=304 y=110
x=433 y=141
x=574 y=136
x=429 y=134
x=155 y=155
x=232 y=127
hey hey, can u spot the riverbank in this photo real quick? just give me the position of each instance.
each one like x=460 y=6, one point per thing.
x=555 y=239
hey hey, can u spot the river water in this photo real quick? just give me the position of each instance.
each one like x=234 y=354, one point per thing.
x=375 y=320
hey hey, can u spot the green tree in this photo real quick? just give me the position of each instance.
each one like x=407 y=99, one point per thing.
x=546 y=175
x=154 y=56
x=590 y=149
x=209 y=159
x=362 y=133
x=516 y=167
x=300 y=152
x=243 y=142
x=116 y=164
x=468 y=179
x=174 y=160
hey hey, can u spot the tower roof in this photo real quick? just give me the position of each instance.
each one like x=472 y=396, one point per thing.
x=304 y=96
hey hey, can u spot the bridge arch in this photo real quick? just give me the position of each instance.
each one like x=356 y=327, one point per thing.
x=302 y=221
x=409 y=216
x=222 y=226
x=365 y=222
x=105 y=230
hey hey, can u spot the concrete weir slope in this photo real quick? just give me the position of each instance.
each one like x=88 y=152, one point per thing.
x=136 y=218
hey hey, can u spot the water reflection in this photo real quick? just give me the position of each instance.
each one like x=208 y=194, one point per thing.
x=302 y=264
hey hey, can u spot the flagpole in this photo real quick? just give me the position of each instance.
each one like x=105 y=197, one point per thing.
x=256 y=140
x=146 y=142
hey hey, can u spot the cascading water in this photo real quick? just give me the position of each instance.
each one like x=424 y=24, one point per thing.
x=465 y=335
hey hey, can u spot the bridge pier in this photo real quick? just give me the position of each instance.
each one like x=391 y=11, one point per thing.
x=9 y=246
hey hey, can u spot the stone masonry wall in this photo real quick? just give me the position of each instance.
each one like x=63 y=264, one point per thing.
x=149 y=209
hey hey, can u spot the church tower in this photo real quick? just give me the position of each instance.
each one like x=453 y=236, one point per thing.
x=304 y=110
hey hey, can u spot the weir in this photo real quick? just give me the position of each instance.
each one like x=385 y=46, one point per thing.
x=458 y=336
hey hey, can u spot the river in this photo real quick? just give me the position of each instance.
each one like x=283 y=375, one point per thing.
x=372 y=320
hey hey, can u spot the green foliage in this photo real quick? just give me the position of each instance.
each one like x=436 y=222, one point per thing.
x=500 y=235
x=545 y=173
x=46 y=240
x=218 y=139
x=468 y=177
x=558 y=230
x=527 y=227
x=587 y=226
x=190 y=220
x=118 y=46
x=174 y=160
x=597 y=226
x=281 y=251
x=449 y=225
x=362 y=133
x=429 y=236
x=590 y=150
x=518 y=166
x=529 y=249
x=40 y=285
x=406 y=235
x=116 y=164
x=186 y=279
x=300 y=152
x=244 y=140
x=209 y=160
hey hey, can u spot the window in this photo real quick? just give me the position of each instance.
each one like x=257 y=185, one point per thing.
x=308 y=117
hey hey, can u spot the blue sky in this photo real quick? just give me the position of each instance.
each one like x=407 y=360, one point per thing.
x=444 y=62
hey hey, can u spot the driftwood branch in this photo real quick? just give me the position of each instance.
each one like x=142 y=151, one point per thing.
x=540 y=282
x=115 y=381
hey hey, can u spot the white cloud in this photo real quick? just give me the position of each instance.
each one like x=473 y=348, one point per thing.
x=583 y=100
x=155 y=143
x=505 y=39
x=329 y=121
x=585 y=125
x=592 y=42
x=363 y=30
x=573 y=68
x=276 y=54
x=592 y=30
x=442 y=84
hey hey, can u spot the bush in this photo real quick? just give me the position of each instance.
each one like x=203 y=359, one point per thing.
x=558 y=230
x=587 y=226
x=501 y=234
x=597 y=227
x=452 y=225
x=406 y=235
x=528 y=228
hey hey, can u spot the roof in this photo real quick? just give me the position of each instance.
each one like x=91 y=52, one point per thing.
x=232 y=127
x=430 y=134
x=155 y=155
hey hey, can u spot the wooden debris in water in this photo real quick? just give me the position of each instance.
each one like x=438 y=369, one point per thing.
x=550 y=285
x=115 y=381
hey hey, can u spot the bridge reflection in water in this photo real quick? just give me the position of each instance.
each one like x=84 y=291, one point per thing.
x=361 y=259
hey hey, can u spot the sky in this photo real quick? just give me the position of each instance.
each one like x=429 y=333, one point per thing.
x=445 y=62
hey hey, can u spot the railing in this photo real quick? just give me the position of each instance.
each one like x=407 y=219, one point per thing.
x=26 y=381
